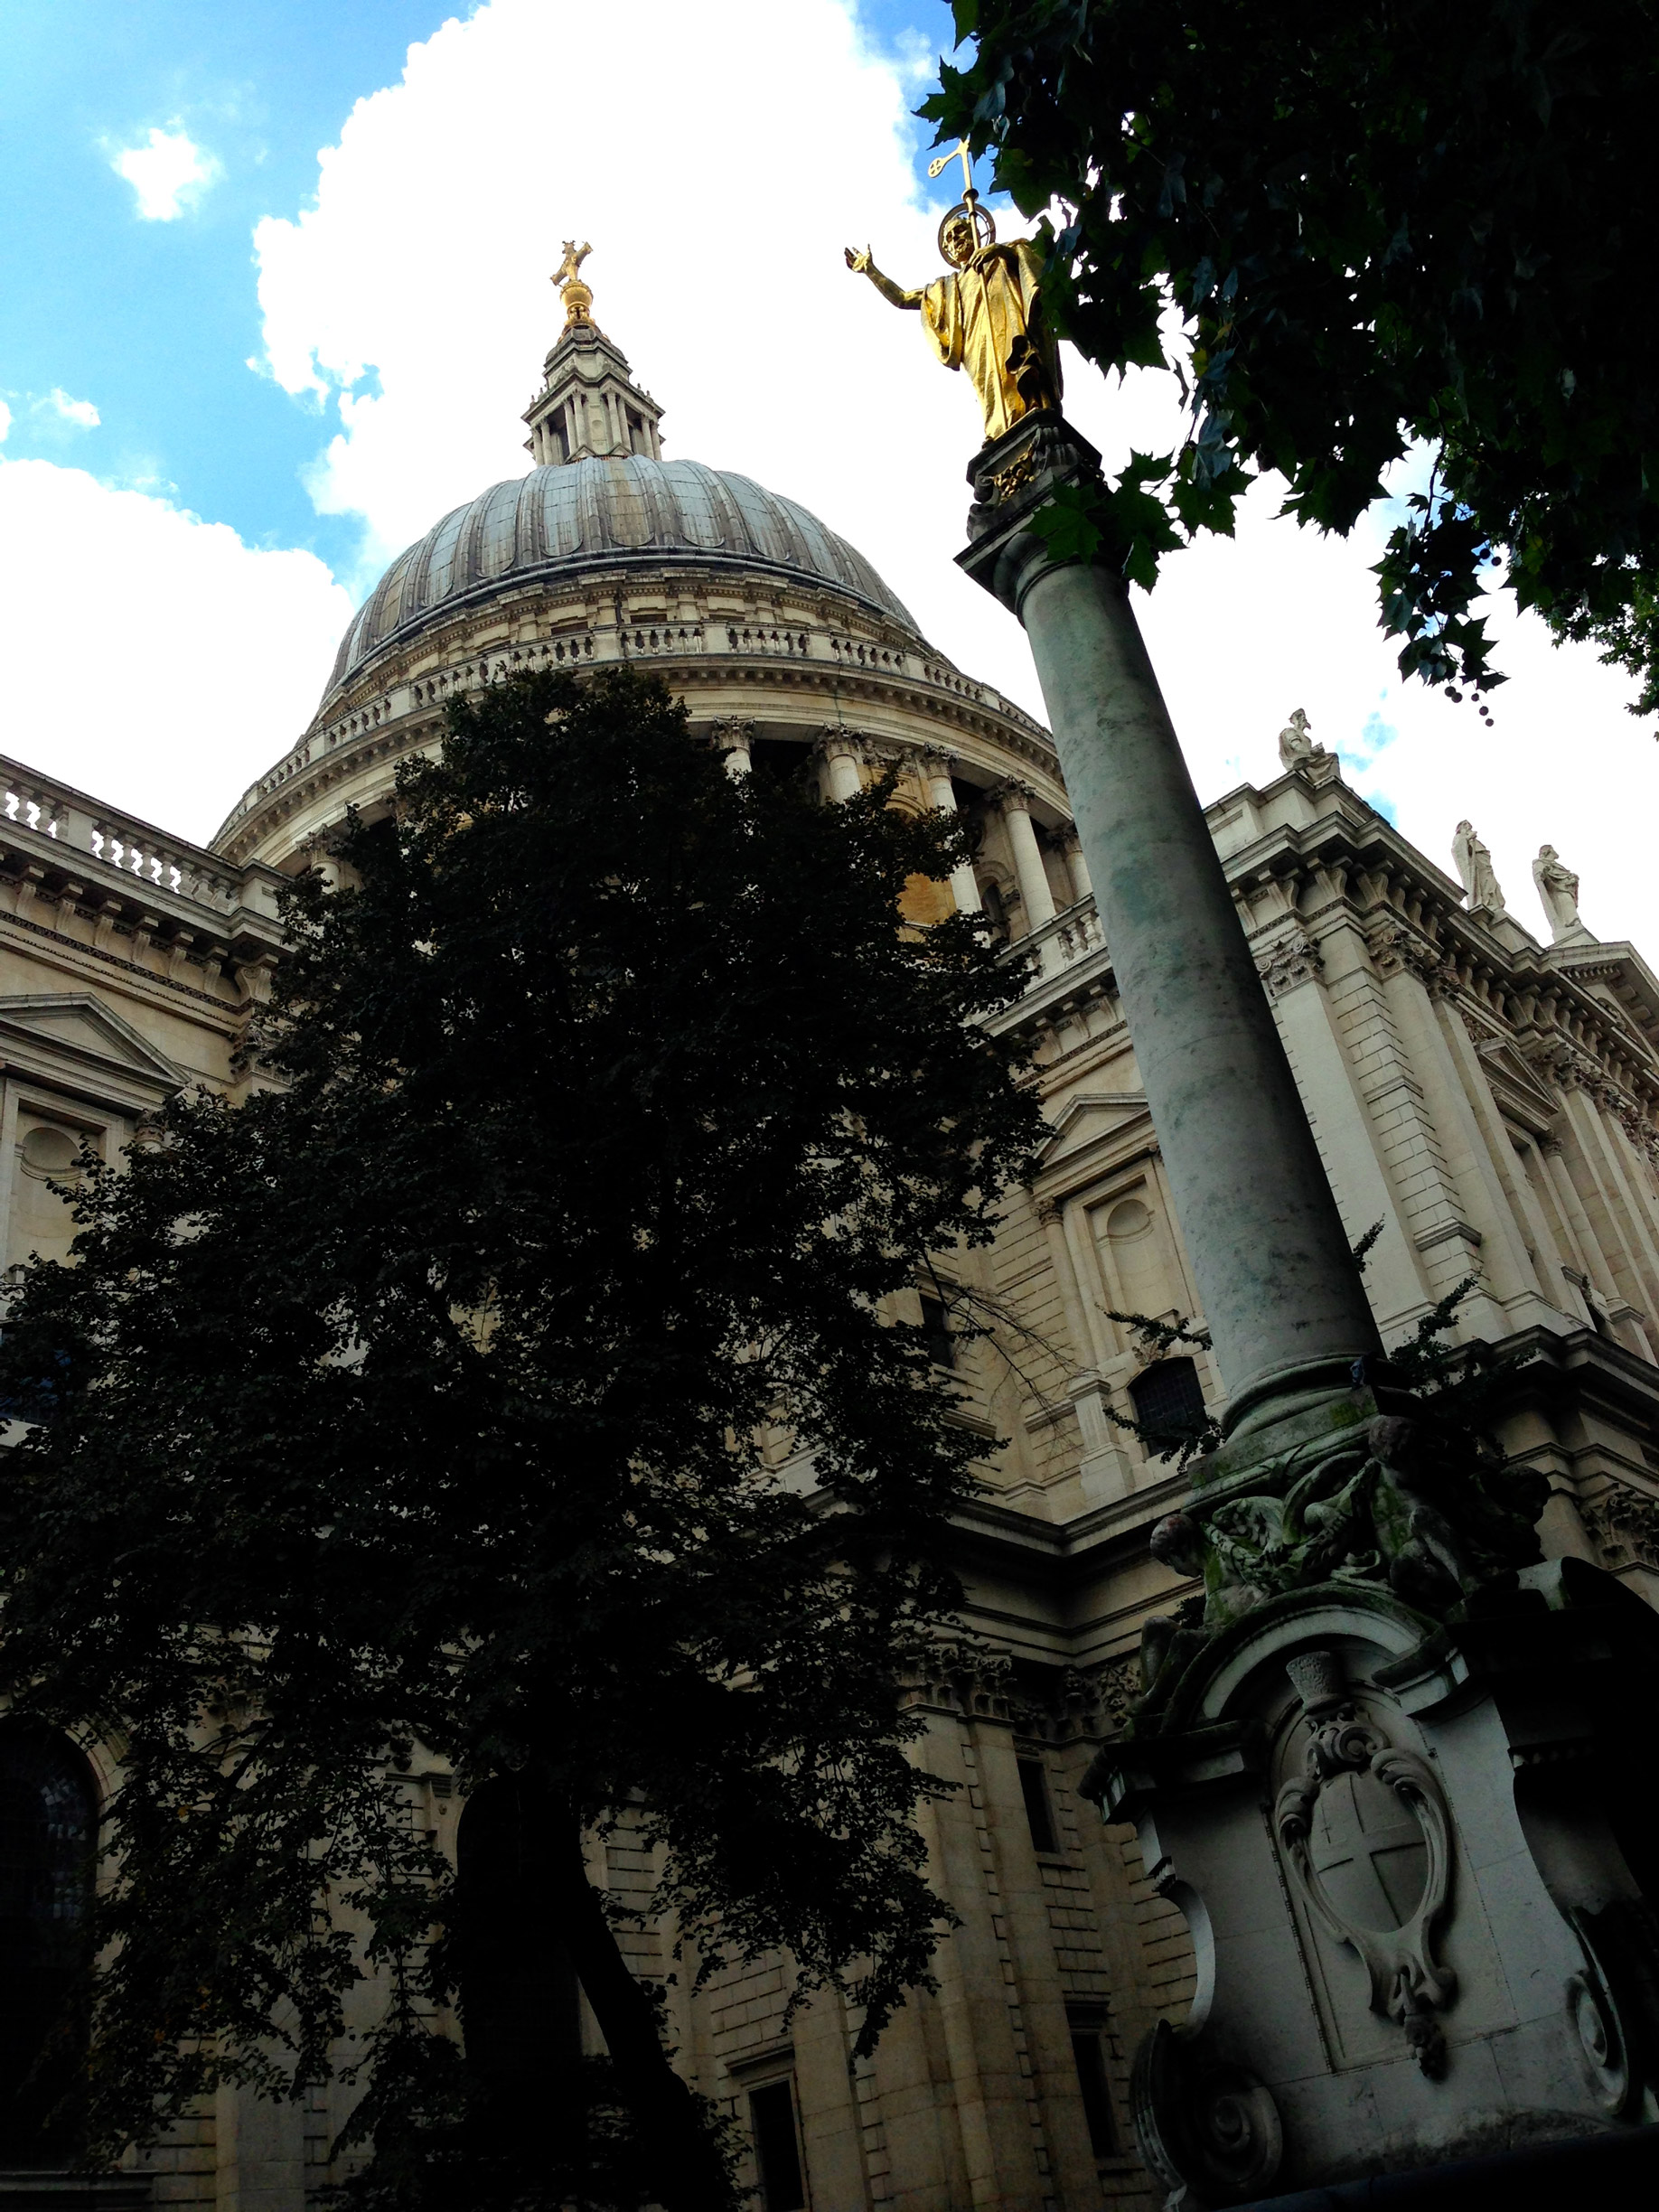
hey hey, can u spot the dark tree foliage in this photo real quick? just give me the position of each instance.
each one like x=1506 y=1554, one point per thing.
x=1374 y=223
x=436 y=1397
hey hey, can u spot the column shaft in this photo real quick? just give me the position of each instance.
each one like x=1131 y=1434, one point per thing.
x=1267 y=1246
x=1282 y=1298
x=942 y=792
x=1035 y=893
x=842 y=758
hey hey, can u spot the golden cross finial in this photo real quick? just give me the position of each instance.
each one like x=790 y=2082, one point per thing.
x=938 y=168
x=578 y=296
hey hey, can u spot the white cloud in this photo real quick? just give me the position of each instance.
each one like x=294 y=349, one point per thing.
x=198 y=670
x=169 y=173
x=5 y=422
x=1242 y=632
x=81 y=412
x=718 y=176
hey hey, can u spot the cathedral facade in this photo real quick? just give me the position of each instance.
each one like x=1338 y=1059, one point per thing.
x=1491 y=1103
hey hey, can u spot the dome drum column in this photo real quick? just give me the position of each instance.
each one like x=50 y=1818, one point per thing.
x=935 y=766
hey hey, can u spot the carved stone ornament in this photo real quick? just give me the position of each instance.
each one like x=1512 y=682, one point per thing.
x=1624 y=1524
x=1409 y=1984
x=1293 y=959
x=1428 y=1517
x=1208 y=2130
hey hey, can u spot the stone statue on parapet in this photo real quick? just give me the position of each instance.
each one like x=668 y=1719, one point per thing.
x=1474 y=866
x=1558 y=891
x=1295 y=744
x=577 y=296
x=986 y=316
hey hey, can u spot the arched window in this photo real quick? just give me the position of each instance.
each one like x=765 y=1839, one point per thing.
x=48 y=1831
x=520 y=2018
x=1168 y=1405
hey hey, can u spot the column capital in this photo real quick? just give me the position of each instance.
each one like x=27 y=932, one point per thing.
x=1012 y=478
x=1012 y=796
x=936 y=759
x=731 y=730
x=833 y=740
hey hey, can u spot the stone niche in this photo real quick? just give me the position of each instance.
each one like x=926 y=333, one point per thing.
x=1414 y=1860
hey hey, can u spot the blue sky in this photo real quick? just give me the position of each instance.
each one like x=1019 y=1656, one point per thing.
x=229 y=405
x=159 y=319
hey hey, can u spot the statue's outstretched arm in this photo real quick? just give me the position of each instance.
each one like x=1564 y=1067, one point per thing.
x=858 y=258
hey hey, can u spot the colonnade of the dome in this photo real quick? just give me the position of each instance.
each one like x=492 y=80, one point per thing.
x=805 y=669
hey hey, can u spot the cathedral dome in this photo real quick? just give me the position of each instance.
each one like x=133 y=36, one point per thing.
x=772 y=631
x=601 y=513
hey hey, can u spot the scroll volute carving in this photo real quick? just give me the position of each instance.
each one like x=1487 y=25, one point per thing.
x=1206 y=2129
x=1347 y=1754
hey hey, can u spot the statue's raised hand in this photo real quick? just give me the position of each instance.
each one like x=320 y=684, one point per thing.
x=858 y=258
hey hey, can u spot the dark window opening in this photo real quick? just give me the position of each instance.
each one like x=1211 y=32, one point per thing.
x=777 y=2147
x=1039 y=1817
x=48 y=1831
x=1096 y=2090
x=1168 y=1405
x=521 y=2012
x=996 y=912
x=936 y=1333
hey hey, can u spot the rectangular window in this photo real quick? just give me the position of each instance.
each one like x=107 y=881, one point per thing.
x=1034 y=1783
x=777 y=2147
x=1096 y=2091
x=936 y=1333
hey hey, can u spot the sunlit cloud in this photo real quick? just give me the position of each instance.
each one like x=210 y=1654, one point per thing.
x=208 y=659
x=168 y=172
x=81 y=412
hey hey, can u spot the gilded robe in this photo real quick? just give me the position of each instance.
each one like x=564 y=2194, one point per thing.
x=974 y=314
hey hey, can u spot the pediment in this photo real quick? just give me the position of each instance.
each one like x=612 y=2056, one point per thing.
x=1088 y=1118
x=1516 y=1087
x=78 y=1029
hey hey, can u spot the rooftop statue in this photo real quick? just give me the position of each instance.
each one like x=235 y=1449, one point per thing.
x=1473 y=864
x=1557 y=890
x=1295 y=744
x=987 y=314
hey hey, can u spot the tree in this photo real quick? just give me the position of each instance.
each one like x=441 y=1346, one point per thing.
x=453 y=1392
x=1348 y=228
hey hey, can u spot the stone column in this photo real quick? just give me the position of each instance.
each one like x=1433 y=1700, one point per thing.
x=842 y=752
x=1281 y=1295
x=1039 y=900
x=734 y=738
x=935 y=767
x=1076 y=867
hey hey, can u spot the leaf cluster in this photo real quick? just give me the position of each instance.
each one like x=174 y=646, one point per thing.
x=1348 y=230
x=512 y=1378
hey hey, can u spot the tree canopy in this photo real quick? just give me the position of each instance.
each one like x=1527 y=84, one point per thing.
x=454 y=1397
x=1348 y=230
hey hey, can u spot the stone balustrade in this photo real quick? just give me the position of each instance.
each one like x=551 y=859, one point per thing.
x=148 y=860
x=1070 y=936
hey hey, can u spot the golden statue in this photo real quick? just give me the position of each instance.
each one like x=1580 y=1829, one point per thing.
x=986 y=316
x=578 y=299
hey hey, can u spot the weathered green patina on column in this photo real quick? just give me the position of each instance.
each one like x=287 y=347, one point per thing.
x=1282 y=1296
